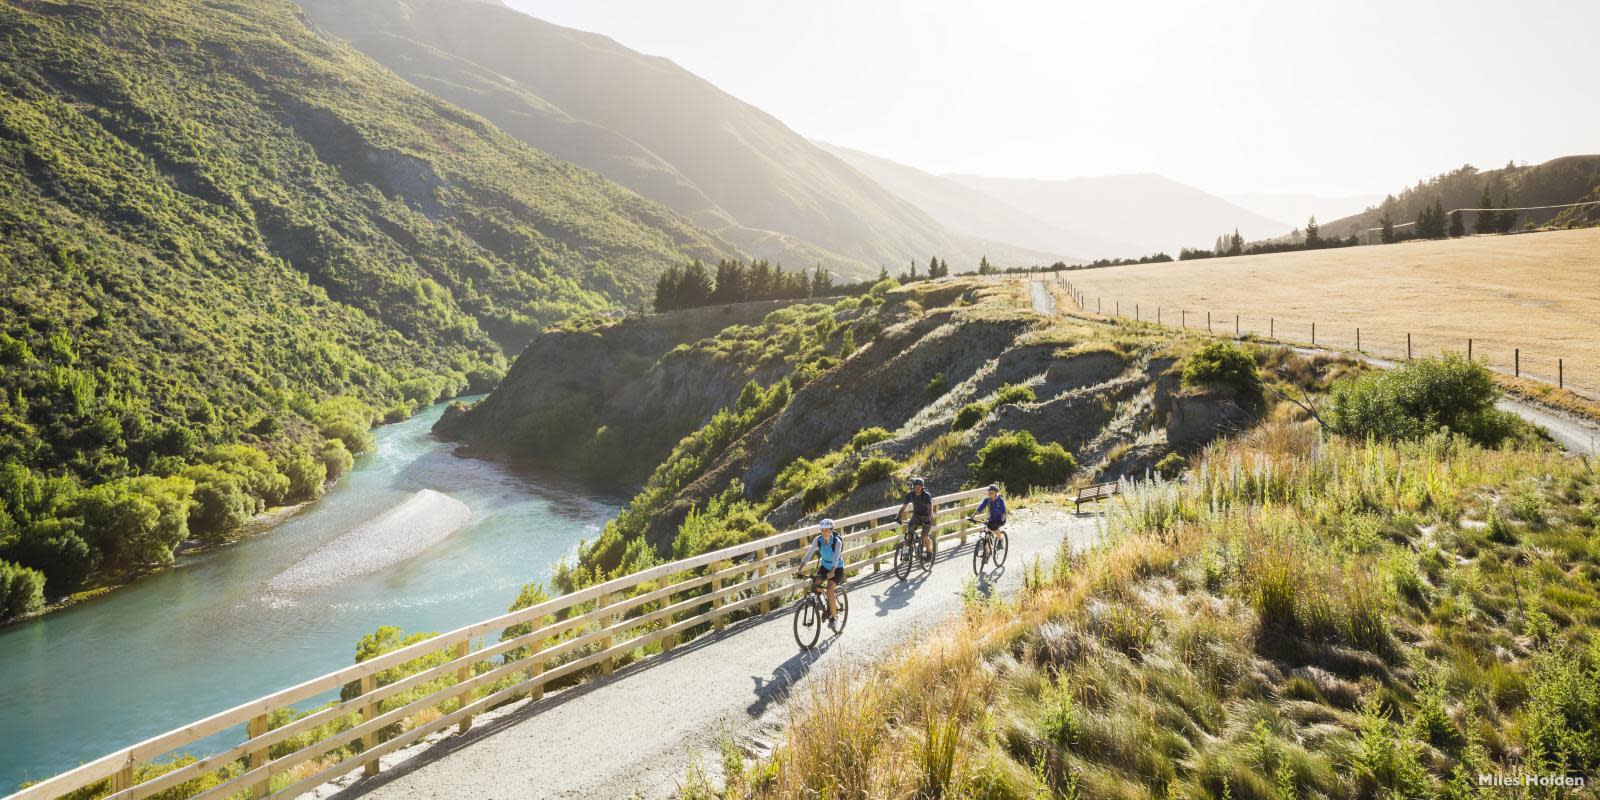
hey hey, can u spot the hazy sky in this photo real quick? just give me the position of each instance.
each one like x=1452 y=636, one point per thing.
x=1330 y=98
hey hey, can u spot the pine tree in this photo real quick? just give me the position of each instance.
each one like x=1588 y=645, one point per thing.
x=667 y=289
x=1235 y=244
x=1386 y=222
x=1313 y=234
x=1457 y=227
x=944 y=268
x=1485 y=221
x=696 y=288
x=821 y=282
x=1507 y=219
x=984 y=268
x=933 y=267
x=883 y=273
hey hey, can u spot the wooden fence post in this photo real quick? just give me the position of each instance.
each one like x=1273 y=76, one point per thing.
x=1469 y=349
x=1272 y=327
x=123 y=780
x=1208 y=322
x=536 y=669
x=1183 y=317
x=462 y=676
x=1235 y=326
x=1358 y=340
x=1561 y=374
x=368 y=711
x=672 y=638
x=258 y=758
x=1313 y=334
x=717 y=621
x=1158 y=315
x=1135 y=312
x=610 y=663
x=1408 y=347
x=1516 y=357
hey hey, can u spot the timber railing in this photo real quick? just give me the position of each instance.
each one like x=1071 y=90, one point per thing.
x=396 y=699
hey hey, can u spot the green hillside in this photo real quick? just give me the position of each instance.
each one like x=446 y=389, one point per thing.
x=213 y=221
x=656 y=128
x=1569 y=179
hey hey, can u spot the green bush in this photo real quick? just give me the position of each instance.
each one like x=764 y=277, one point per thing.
x=969 y=415
x=220 y=501
x=866 y=437
x=1171 y=466
x=1016 y=459
x=1418 y=398
x=875 y=469
x=1011 y=394
x=21 y=590
x=336 y=459
x=1222 y=364
x=936 y=386
x=307 y=477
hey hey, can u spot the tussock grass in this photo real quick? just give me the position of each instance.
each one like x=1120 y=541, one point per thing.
x=1303 y=617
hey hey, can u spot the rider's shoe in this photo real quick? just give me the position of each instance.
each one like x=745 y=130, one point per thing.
x=833 y=624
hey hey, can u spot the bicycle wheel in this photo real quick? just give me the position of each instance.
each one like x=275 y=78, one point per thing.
x=842 y=601
x=926 y=556
x=807 y=622
x=980 y=554
x=902 y=560
x=1002 y=546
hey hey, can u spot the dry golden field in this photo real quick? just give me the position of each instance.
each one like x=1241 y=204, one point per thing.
x=1539 y=292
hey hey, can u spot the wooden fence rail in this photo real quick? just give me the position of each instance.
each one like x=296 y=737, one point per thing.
x=586 y=630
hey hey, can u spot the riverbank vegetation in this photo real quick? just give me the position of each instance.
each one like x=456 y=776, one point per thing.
x=216 y=281
x=1306 y=614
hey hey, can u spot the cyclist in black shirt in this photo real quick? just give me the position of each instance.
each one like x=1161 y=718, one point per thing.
x=921 y=502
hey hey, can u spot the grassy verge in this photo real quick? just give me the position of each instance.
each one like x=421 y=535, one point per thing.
x=1304 y=617
x=1545 y=394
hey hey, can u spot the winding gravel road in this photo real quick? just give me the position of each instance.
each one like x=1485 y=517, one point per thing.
x=633 y=734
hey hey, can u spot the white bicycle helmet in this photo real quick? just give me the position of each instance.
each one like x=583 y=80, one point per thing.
x=826 y=524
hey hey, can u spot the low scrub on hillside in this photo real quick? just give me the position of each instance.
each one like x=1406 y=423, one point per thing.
x=1305 y=617
x=1225 y=365
x=1018 y=460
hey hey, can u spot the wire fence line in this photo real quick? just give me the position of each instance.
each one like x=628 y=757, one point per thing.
x=1385 y=343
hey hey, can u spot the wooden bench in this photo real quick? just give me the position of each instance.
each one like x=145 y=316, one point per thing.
x=1092 y=493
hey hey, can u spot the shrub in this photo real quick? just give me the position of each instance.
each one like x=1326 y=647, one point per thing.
x=969 y=415
x=21 y=590
x=936 y=386
x=220 y=502
x=1418 y=398
x=306 y=475
x=336 y=459
x=56 y=548
x=1171 y=466
x=1011 y=394
x=866 y=437
x=875 y=469
x=1016 y=459
x=1222 y=364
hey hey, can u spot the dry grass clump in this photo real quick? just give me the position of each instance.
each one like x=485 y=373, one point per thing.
x=1304 y=617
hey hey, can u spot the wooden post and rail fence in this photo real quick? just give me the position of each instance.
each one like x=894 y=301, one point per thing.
x=580 y=634
x=1357 y=341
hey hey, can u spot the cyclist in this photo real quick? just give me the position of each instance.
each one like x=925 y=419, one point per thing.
x=997 y=512
x=829 y=547
x=921 y=502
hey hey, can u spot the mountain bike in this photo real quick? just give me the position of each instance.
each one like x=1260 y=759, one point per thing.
x=909 y=550
x=811 y=612
x=990 y=545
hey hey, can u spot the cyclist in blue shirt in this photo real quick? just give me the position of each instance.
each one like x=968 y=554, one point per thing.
x=996 y=505
x=829 y=547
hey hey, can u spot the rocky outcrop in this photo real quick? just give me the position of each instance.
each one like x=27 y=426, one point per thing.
x=625 y=376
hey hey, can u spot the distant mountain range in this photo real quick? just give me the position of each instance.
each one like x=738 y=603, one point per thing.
x=1105 y=217
x=653 y=127
x=1568 y=179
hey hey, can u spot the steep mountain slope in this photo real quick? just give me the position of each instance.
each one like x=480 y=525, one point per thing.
x=1152 y=212
x=966 y=210
x=215 y=219
x=1569 y=179
x=649 y=125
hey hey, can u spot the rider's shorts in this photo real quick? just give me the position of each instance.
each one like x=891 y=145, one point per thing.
x=837 y=574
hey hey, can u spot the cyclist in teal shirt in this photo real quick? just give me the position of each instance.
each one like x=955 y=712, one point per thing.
x=829 y=547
